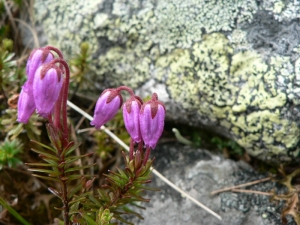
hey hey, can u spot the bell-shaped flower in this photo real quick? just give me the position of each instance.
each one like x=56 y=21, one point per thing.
x=37 y=58
x=47 y=85
x=152 y=117
x=107 y=106
x=26 y=106
x=131 y=113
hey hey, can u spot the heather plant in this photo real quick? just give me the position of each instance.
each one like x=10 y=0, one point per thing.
x=46 y=92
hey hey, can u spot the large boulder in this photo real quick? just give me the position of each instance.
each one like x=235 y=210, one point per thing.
x=230 y=66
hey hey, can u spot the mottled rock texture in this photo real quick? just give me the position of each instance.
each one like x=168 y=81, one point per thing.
x=230 y=66
x=199 y=172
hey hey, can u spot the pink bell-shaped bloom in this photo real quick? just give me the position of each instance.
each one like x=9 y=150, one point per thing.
x=37 y=58
x=26 y=106
x=107 y=106
x=47 y=85
x=152 y=117
x=131 y=113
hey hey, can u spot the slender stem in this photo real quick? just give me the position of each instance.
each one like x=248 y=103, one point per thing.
x=61 y=110
x=146 y=156
x=241 y=185
x=125 y=88
x=140 y=147
x=51 y=48
x=65 y=203
x=64 y=190
x=57 y=111
x=252 y=192
x=131 y=149
x=64 y=108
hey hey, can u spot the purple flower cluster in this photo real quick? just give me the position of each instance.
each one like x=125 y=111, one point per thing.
x=143 y=121
x=42 y=88
x=45 y=87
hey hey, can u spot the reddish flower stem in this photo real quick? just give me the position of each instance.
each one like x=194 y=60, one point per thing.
x=65 y=201
x=56 y=50
x=140 y=147
x=131 y=149
x=61 y=107
x=146 y=156
x=57 y=109
x=125 y=88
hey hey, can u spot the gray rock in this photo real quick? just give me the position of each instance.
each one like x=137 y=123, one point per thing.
x=199 y=172
x=229 y=66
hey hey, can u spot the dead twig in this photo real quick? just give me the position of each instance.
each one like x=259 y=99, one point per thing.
x=241 y=185
x=252 y=192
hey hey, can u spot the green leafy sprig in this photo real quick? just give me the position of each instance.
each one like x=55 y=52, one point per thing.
x=59 y=166
x=123 y=188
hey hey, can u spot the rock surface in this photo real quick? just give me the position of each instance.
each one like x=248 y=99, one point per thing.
x=230 y=66
x=199 y=172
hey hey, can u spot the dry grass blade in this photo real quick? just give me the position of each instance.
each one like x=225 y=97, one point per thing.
x=121 y=143
x=241 y=185
x=252 y=192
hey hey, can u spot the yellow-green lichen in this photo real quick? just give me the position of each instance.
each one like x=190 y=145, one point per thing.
x=224 y=86
x=124 y=67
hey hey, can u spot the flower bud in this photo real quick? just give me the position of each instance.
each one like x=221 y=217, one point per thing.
x=107 y=106
x=152 y=118
x=47 y=85
x=26 y=106
x=131 y=111
x=37 y=58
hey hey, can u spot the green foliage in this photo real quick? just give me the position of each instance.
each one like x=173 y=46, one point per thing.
x=231 y=145
x=180 y=138
x=103 y=217
x=122 y=188
x=12 y=129
x=58 y=159
x=10 y=74
x=18 y=2
x=80 y=67
x=8 y=153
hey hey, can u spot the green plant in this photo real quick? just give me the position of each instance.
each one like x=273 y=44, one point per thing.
x=8 y=153
x=80 y=67
x=230 y=145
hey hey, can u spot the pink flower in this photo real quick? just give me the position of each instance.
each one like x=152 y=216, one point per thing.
x=47 y=85
x=26 y=106
x=37 y=58
x=152 y=118
x=107 y=106
x=131 y=111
